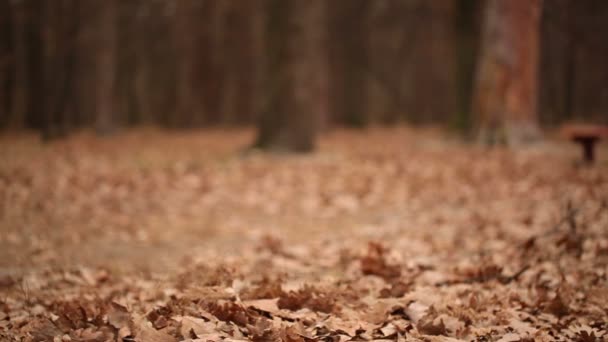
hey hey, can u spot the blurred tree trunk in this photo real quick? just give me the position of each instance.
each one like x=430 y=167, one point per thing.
x=588 y=72
x=105 y=66
x=34 y=62
x=558 y=51
x=257 y=27
x=50 y=62
x=349 y=33
x=412 y=62
x=506 y=82
x=6 y=63
x=296 y=68
x=142 y=81
x=241 y=52
x=390 y=50
x=467 y=31
x=127 y=67
x=234 y=59
x=432 y=93
x=187 y=109
x=59 y=27
x=20 y=72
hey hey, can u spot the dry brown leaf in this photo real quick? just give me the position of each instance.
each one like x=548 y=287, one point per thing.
x=41 y=329
x=430 y=326
x=195 y=327
x=118 y=316
x=157 y=205
x=267 y=305
x=145 y=332
x=510 y=337
x=374 y=263
x=335 y=324
x=415 y=311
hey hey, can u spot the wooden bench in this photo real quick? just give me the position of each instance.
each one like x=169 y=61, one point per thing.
x=586 y=135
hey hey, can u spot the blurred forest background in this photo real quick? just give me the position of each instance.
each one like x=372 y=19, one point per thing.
x=170 y=230
x=301 y=66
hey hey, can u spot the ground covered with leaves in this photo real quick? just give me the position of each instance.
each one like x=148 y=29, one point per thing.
x=385 y=234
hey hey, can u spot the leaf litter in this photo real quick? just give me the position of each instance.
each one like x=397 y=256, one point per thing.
x=385 y=235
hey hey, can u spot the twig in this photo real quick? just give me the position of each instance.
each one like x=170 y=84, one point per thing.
x=482 y=279
x=569 y=217
x=515 y=276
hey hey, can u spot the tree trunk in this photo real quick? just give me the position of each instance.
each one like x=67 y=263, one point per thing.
x=506 y=88
x=20 y=83
x=54 y=72
x=33 y=42
x=187 y=110
x=467 y=36
x=105 y=66
x=296 y=81
x=349 y=60
x=6 y=63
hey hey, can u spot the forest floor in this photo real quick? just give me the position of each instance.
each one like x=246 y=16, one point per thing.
x=383 y=234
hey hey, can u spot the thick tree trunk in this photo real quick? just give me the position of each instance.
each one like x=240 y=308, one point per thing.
x=349 y=60
x=257 y=26
x=35 y=91
x=467 y=41
x=433 y=74
x=105 y=65
x=235 y=60
x=296 y=82
x=6 y=63
x=506 y=88
x=56 y=49
x=188 y=110
x=20 y=81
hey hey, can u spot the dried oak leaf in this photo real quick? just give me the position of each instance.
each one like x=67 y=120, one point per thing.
x=145 y=332
x=71 y=315
x=204 y=275
x=307 y=297
x=396 y=290
x=231 y=312
x=272 y=244
x=196 y=327
x=388 y=331
x=41 y=329
x=374 y=263
x=7 y=281
x=118 y=316
x=92 y=334
x=295 y=333
x=431 y=328
x=159 y=316
x=266 y=305
x=585 y=336
x=430 y=325
x=557 y=306
x=160 y=322
x=266 y=289
x=263 y=331
x=94 y=311
x=416 y=311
